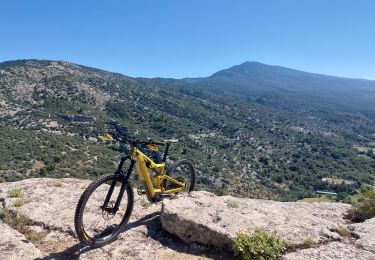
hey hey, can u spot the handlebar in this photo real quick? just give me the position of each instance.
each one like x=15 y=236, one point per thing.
x=123 y=134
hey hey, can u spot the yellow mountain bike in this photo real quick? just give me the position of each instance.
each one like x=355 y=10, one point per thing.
x=107 y=203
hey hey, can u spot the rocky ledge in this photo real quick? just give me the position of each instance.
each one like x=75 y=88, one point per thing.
x=201 y=217
x=196 y=226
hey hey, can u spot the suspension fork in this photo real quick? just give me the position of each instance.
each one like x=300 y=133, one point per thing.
x=123 y=178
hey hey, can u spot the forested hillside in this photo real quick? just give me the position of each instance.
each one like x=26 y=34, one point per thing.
x=251 y=130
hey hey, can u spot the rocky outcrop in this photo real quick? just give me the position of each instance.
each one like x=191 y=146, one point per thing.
x=365 y=232
x=334 y=250
x=205 y=218
x=196 y=226
x=49 y=204
x=202 y=217
x=14 y=245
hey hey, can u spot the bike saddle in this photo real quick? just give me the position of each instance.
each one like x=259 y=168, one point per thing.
x=170 y=141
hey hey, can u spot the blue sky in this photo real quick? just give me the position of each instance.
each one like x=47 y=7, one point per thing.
x=194 y=37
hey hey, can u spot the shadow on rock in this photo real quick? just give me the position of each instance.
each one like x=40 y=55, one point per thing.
x=154 y=231
x=72 y=252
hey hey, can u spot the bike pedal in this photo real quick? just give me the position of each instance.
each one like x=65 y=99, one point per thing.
x=141 y=192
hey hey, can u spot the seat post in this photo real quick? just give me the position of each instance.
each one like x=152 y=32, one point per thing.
x=166 y=152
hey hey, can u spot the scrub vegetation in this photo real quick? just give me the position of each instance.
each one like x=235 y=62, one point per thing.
x=252 y=130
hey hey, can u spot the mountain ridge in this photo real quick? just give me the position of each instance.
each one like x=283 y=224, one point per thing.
x=257 y=77
x=256 y=63
x=267 y=142
x=11 y=62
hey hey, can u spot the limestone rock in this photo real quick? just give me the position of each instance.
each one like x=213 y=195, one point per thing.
x=200 y=223
x=51 y=203
x=14 y=245
x=331 y=251
x=366 y=234
x=205 y=218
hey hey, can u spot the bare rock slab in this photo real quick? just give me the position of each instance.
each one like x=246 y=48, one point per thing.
x=365 y=232
x=14 y=245
x=50 y=204
x=331 y=251
x=202 y=217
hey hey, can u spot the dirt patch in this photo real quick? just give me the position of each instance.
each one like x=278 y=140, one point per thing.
x=337 y=181
x=38 y=165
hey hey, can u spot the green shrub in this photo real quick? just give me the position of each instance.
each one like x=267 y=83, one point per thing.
x=19 y=202
x=307 y=243
x=17 y=221
x=342 y=231
x=363 y=207
x=33 y=235
x=21 y=223
x=233 y=204
x=261 y=245
x=15 y=193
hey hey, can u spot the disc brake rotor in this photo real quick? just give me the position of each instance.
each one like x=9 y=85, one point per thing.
x=108 y=215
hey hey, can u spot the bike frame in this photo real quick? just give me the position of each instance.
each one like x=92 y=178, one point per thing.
x=143 y=163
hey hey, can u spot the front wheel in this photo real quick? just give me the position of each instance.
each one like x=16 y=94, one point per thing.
x=103 y=210
x=182 y=171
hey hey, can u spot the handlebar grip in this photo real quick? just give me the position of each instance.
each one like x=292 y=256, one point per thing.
x=147 y=142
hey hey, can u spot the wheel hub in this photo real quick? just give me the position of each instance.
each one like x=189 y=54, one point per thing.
x=109 y=212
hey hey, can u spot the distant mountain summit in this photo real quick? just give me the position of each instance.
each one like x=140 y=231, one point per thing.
x=254 y=78
x=257 y=69
x=247 y=68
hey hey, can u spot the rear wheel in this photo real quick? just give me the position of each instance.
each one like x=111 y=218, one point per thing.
x=182 y=171
x=96 y=225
